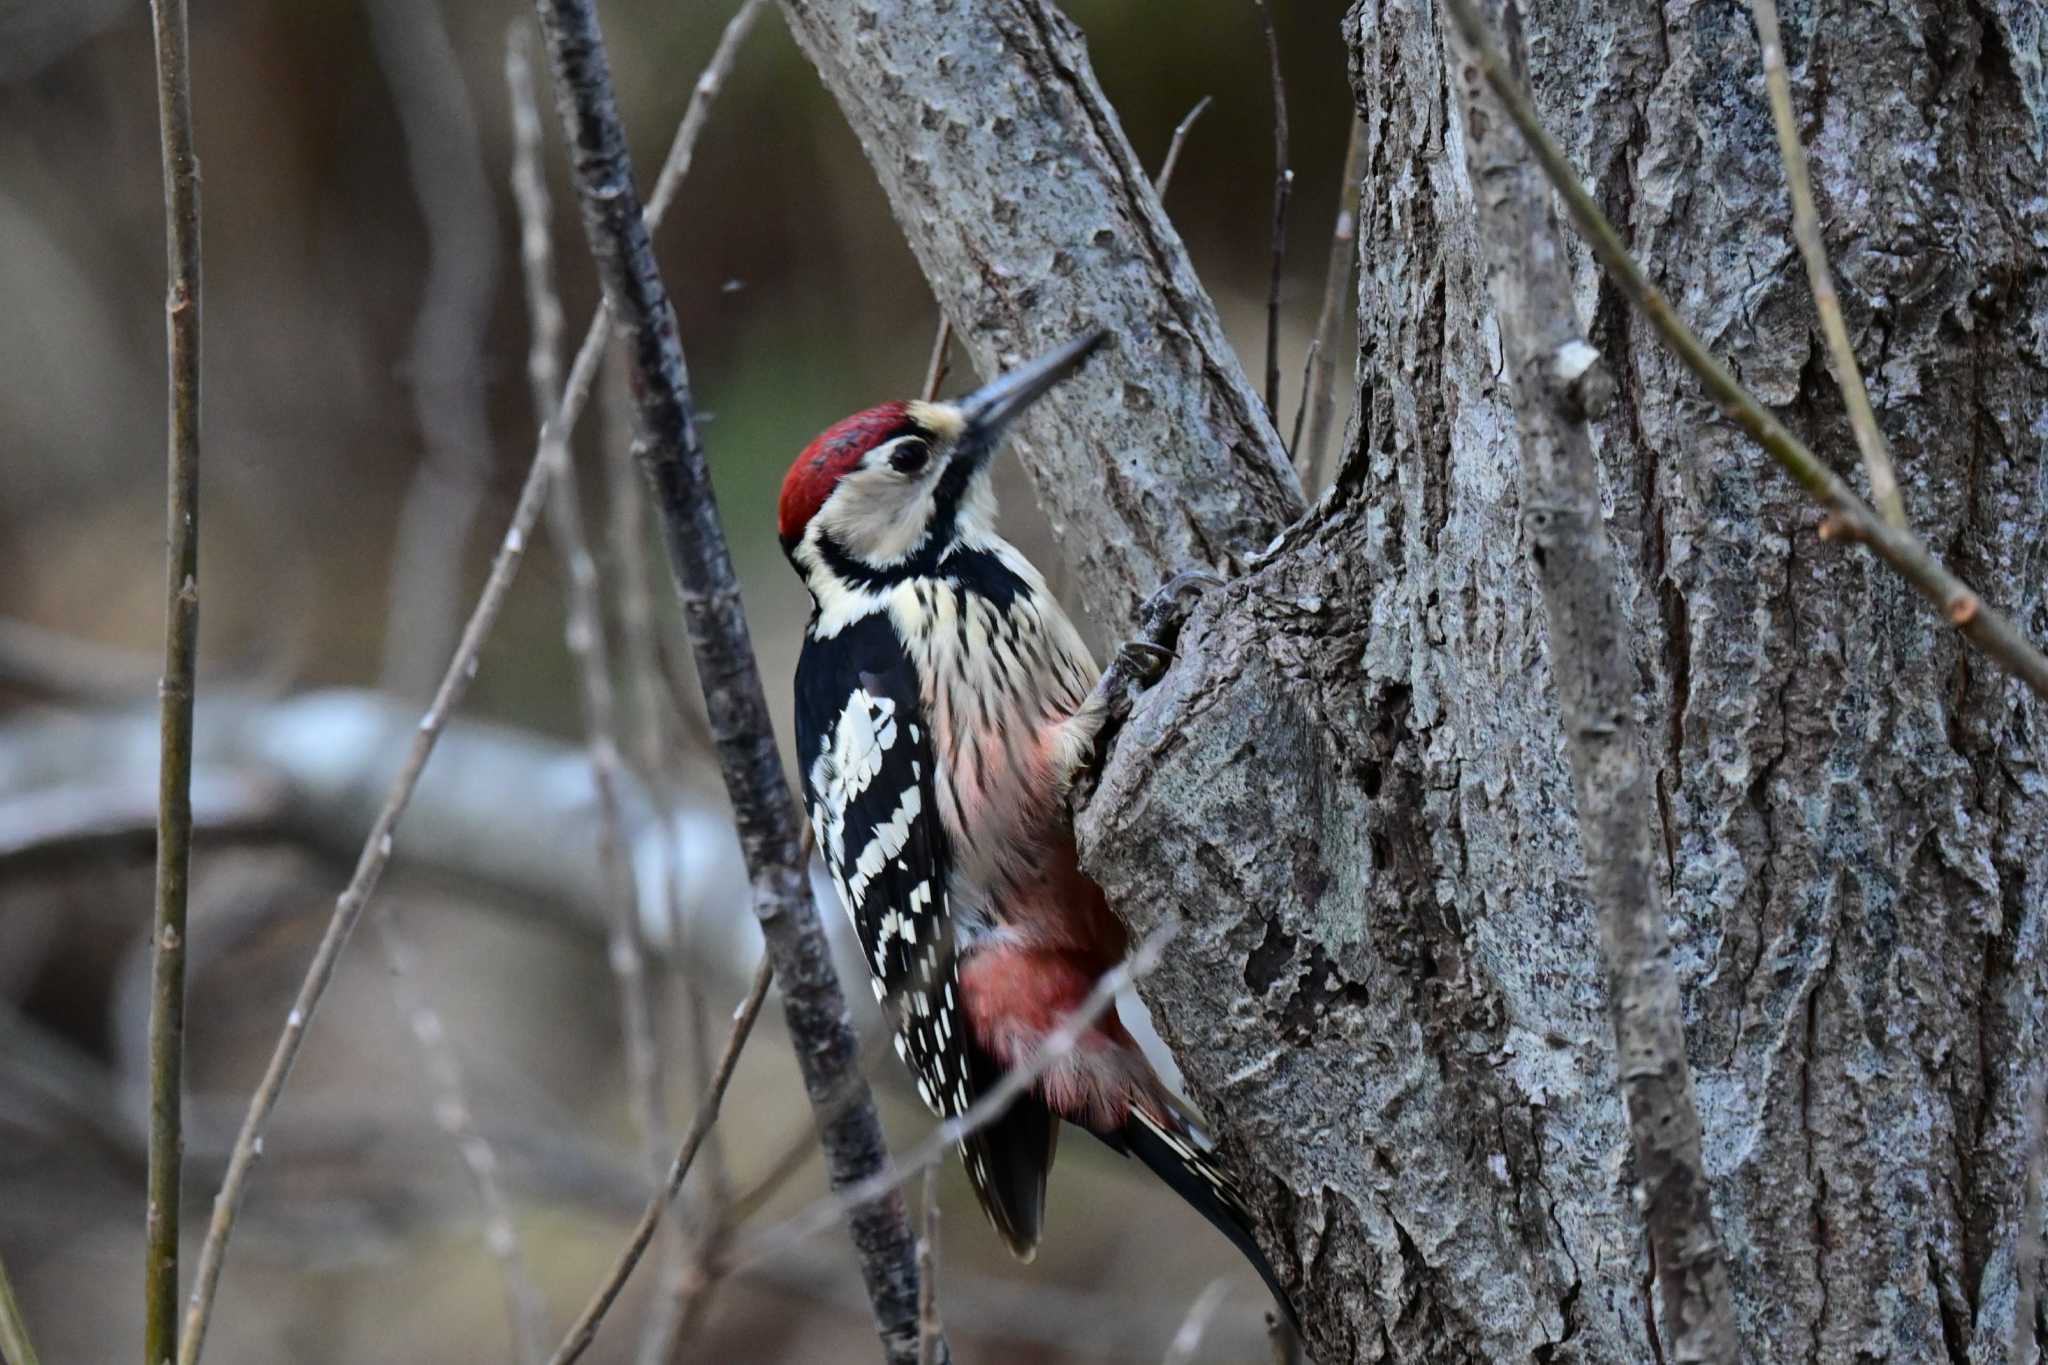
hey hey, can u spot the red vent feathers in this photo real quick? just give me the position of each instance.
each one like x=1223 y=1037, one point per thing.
x=818 y=470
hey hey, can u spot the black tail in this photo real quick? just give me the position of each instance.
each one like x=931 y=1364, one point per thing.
x=1176 y=1159
x=1007 y=1162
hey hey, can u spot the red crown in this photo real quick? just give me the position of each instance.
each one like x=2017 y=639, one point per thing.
x=825 y=461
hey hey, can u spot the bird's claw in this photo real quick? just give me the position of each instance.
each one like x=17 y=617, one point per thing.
x=1139 y=663
x=1160 y=619
x=1143 y=663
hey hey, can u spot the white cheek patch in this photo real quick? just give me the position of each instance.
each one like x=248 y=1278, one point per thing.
x=877 y=515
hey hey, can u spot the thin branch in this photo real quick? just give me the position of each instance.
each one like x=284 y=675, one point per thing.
x=1308 y=379
x=1523 y=249
x=15 y=1346
x=585 y=1331
x=1180 y=135
x=444 y=364
x=1877 y=456
x=641 y=641
x=1849 y=517
x=672 y=456
x=454 y=683
x=992 y=1104
x=1283 y=190
x=179 y=684
x=1313 y=461
x=929 y=1332
x=536 y=249
x=935 y=368
x=584 y=625
x=526 y=1311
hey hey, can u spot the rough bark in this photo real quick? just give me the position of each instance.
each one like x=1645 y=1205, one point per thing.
x=1352 y=786
x=1853 y=810
x=1034 y=220
x=1558 y=384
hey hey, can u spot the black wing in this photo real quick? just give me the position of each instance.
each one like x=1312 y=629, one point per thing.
x=866 y=761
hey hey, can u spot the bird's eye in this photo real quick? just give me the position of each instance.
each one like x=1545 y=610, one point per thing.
x=909 y=456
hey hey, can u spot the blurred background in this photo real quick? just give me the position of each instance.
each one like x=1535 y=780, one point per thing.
x=367 y=426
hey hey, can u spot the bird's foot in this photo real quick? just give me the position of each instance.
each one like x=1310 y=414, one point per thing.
x=1139 y=663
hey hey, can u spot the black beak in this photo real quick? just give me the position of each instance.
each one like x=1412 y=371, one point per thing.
x=990 y=409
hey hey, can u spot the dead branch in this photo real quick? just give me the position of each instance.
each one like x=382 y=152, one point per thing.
x=1877 y=455
x=1283 y=191
x=178 y=687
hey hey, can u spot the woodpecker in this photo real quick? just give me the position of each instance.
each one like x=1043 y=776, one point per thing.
x=944 y=706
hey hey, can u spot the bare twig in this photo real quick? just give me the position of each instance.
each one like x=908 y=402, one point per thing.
x=644 y=658
x=1283 y=190
x=584 y=626
x=929 y=1332
x=1312 y=461
x=15 y=1346
x=179 y=684
x=1308 y=376
x=452 y=1115
x=935 y=369
x=1877 y=457
x=1523 y=249
x=536 y=249
x=991 y=1105
x=444 y=365
x=1180 y=135
x=1989 y=629
x=672 y=456
x=1187 y=1339
x=377 y=848
x=682 y=149
x=585 y=1331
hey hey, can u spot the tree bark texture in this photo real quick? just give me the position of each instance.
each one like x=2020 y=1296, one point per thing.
x=1352 y=786
x=1853 y=810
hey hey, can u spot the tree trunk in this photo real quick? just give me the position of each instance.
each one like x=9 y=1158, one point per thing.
x=1354 y=785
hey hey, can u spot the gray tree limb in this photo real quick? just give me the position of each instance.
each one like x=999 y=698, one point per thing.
x=1034 y=220
x=311 y=769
